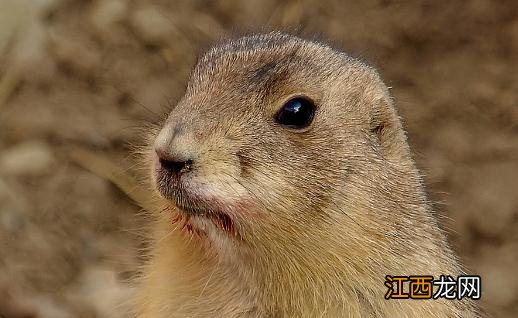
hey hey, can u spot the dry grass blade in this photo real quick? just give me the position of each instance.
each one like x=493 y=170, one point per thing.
x=105 y=168
x=8 y=83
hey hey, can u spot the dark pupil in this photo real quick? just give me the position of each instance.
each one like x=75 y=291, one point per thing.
x=296 y=113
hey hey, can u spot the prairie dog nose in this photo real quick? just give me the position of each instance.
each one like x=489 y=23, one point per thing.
x=174 y=151
x=173 y=164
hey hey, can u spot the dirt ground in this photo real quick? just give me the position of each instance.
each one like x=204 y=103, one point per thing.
x=87 y=73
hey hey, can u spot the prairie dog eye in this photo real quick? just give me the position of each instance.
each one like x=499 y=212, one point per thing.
x=296 y=113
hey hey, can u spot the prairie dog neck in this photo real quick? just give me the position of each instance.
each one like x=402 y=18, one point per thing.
x=289 y=191
x=187 y=280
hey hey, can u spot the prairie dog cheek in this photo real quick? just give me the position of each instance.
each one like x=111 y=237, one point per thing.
x=262 y=187
x=222 y=186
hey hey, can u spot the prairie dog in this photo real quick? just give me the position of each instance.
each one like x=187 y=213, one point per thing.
x=288 y=190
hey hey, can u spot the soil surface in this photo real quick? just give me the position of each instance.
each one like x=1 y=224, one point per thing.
x=89 y=73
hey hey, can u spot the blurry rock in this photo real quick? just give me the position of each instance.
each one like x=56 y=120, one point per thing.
x=207 y=25
x=6 y=194
x=11 y=221
x=12 y=206
x=436 y=167
x=251 y=12
x=11 y=13
x=490 y=183
x=30 y=45
x=153 y=26
x=22 y=31
x=106 y=14
x=47 y=308
x=9 y=308
x=28 y=158
x=100 y=289
x=41 y=7
x=89 y=185
x=482 y=10
x=497 y=267
x=152 y=98
x=453 y=140
x=289 y=13
x=79 y=55
x=15 y=14
x=512 y=35
x=108 y=18
x=499 y=284
x=30 y=56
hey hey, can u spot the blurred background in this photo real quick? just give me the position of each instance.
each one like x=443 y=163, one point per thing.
x=86 y=73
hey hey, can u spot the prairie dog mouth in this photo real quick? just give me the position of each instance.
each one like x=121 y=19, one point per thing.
x=199 y=207
x=188 y=213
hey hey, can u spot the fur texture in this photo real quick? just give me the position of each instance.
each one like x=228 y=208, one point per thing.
x=295 y=223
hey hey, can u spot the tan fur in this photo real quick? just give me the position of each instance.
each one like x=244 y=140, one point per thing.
x=322 y=215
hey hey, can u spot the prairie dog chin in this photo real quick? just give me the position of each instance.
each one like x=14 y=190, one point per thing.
x=290 y=191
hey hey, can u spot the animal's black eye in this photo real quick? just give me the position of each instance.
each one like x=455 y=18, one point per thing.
x=297 y=113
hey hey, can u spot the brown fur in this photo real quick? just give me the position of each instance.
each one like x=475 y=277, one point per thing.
x=320 y=216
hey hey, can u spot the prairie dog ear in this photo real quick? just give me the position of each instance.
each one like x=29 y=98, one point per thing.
x=387 y=129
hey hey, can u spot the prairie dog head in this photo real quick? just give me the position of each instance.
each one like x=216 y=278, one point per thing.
x=280 y=143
